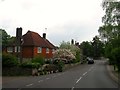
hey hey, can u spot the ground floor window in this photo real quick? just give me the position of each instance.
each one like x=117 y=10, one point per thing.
x=9 y=49
x=16 y=48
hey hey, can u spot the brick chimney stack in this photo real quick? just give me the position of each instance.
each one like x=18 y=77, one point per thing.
x=44 y=35
x=18 y=35
x=72 y=41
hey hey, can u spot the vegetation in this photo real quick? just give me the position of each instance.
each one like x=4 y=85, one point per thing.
x=73 y=51
x=38 y=59
x=110 y=31
x=94 y=49
x=9 y=60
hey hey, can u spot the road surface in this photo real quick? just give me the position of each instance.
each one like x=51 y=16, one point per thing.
x=83 y=76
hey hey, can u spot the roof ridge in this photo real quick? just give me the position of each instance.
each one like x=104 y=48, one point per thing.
x=31 y=36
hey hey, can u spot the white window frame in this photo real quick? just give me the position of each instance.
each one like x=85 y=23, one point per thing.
x=47 y=50
x=39 y=50
x=9 y=49
x=16 y=48
x=53 y=50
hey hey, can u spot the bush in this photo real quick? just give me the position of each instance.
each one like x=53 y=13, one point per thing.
x=9 y=60
x=116 y=57
x=77 y=57
x=39 y=59
x=30 y=65
x=60 y=66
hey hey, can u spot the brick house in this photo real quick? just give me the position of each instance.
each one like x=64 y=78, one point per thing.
x=30 y=45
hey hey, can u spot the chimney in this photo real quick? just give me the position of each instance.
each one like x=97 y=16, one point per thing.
x=72 y=41
x=44 y=35
x=18 y=35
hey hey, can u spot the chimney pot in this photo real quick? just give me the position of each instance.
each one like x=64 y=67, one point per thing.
x=44 y=35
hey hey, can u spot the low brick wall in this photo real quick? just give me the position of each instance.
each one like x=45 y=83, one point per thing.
x=16 y=71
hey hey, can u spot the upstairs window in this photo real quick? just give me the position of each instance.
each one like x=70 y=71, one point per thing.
x=47 y=50
x=53 y=50
x=9 y=49
x=39 y=50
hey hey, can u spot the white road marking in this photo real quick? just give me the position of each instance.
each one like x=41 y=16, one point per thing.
x=84 y=73
x=29 y=85
x=79 y=79
x=40 y=81
x=72 y=88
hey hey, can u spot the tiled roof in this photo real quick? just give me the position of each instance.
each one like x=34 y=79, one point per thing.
x=34 y=39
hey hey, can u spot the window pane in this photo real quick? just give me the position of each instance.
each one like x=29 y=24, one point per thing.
x=39 y=50
x=9 y=49
x=53 y=50
x=16 y=48
x=47 y=50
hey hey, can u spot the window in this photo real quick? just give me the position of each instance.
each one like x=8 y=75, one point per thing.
x=16 y=48
x=47 y=50
x=9 y=49
x=39 y=50
x=53 y=50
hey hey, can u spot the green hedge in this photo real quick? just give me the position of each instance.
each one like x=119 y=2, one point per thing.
x=9 y=60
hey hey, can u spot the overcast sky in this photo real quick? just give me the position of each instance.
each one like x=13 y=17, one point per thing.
x=64 y=19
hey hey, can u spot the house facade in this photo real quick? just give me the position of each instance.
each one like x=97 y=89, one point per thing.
x=30 y=45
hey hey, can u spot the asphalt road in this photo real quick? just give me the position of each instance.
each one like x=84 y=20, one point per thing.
x=83 y=76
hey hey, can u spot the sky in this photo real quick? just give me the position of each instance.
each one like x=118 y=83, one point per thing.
x=64 y=19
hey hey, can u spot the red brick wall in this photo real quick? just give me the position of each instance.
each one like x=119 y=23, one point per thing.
x=27 y=52
x=44 y=54
x=30 y=52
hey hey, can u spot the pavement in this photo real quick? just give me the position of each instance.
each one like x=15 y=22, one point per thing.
x=113 y=74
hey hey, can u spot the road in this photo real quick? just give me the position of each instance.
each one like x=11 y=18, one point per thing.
x=82 y=76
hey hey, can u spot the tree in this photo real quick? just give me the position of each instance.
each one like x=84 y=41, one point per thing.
x=110 y=31
x=87 y=48
x=98 y=47
x=94 y=49
x=5 y=37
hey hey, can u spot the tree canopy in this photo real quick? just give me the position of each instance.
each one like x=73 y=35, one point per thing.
x=110 y=31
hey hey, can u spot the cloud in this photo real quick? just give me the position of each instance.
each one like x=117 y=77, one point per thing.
x=64 y=19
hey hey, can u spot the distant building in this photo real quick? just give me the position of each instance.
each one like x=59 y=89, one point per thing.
x=30 y=45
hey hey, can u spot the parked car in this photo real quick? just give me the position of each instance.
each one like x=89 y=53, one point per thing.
x=90 y=60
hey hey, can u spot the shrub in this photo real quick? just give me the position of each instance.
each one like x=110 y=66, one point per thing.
x=60 y=66
x=9 y=60
x=116 y=57
x=30 y=65
x=39 y=59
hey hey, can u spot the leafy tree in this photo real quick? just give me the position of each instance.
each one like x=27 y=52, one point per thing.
x=75 y=50
x=98 y=47
x=86 y=48
x=5 y=37
x=110 y=31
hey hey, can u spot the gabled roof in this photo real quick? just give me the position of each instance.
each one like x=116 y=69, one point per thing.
x=34 y=39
